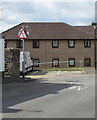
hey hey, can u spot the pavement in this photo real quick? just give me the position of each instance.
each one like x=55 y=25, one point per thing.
x=57 y=94
x=89 y=70
x=42 y=74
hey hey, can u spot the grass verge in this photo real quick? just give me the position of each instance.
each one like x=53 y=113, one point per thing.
x=62 y=69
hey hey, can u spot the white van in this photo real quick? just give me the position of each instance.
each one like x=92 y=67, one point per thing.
x=28 y=61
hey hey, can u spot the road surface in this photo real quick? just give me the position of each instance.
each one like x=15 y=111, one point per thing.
x=56 y=94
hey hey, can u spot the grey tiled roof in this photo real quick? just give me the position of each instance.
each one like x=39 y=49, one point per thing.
x=51 y=31
x=87 y=29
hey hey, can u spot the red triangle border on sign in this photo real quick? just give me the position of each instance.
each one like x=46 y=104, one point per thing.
x=21 y=33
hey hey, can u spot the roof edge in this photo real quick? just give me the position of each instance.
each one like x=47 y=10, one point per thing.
x=11 y=28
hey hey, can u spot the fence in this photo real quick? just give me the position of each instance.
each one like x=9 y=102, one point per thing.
x=60 y=65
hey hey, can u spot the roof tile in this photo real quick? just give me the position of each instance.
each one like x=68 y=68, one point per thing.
x=51 y=31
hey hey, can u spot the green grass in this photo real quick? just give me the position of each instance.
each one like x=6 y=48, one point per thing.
x=64 y=69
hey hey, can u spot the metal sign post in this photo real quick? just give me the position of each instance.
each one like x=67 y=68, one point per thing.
x=23 y=34
x=23 y=62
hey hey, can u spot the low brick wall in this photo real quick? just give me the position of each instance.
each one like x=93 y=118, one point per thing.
x=12 y=62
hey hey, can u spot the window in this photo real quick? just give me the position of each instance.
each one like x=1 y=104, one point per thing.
x=5 y=44
x=35 y=62
x=55 y=63
x=87 y=61
x=71 y=43
x=71 y=62
x=19 y=43
x=55 y=43
x=87 y=43
x=35 y=43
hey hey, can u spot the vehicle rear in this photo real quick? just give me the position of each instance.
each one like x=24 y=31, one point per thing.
x=27 y=60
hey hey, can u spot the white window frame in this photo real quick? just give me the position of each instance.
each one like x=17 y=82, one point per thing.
x=35 y=62
x=71 y=43
x=55 y=62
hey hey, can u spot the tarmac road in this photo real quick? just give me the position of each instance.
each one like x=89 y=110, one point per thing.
x=57 y=95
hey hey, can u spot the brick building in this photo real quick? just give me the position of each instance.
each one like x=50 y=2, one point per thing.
x=57 y=44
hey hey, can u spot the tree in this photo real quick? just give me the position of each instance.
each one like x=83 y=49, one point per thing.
x=93 y=24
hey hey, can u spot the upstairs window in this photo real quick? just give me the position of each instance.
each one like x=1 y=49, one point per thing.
x=71 y=43
x=71 y=62
x=87 y=61
x=19 y=44
x=55 y=63
x=55 y=43
x=35 y=62
x=35 y=43
x=87 y=43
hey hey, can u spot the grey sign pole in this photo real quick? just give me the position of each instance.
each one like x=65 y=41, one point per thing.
x=23 y=34
x=23 y=62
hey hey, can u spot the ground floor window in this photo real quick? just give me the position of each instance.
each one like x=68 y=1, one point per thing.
x=71 y=62
x=55 y=63
x=87 y=61
x=35 y=62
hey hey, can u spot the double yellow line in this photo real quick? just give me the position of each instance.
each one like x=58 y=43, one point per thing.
x=36 y=76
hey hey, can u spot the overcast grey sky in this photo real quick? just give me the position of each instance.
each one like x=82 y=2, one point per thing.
x=73 y=13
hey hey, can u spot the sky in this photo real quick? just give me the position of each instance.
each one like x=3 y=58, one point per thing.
x=73 y=13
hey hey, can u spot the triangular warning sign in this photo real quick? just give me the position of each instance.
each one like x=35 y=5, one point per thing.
x=22 y=34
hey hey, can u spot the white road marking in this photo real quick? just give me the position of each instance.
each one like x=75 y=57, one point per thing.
x=34 y=72
x=80 y=88
x=67 y=82
x=70 y=88
x=58 y=72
